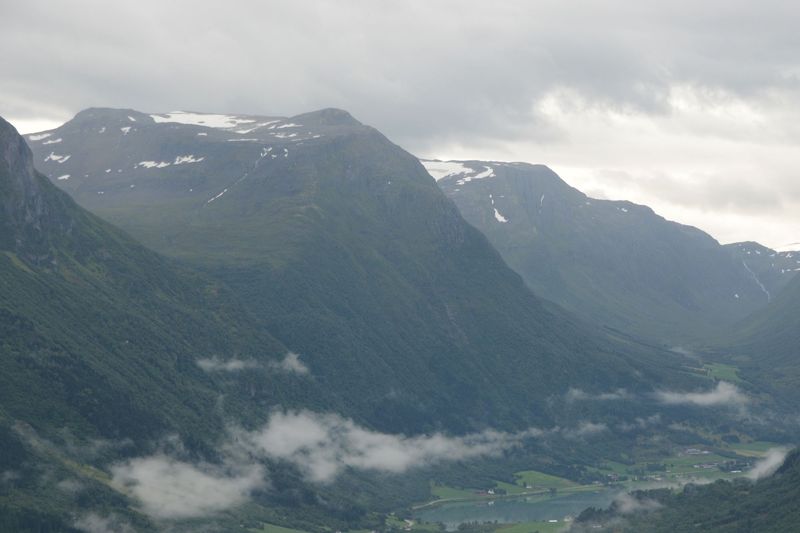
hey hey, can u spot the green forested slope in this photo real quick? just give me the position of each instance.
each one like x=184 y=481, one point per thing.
x=99 y=342
x=615 y=263
x=766 y=346
x=351 y=255
x=741 y=506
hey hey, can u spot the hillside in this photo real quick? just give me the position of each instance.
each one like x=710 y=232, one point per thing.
x=612 y=262
x=100 y=340
x=349 y=252
x=766 y=345
x=766 y=506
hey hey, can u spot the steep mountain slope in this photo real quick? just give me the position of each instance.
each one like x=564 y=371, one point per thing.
x=768 y=506
x=766 y=346
x=344 y=246
x=772 y=270
x=99 y=344
x=613 y=262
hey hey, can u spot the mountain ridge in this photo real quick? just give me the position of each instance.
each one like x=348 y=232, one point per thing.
x=612 y=262
x=335 y=222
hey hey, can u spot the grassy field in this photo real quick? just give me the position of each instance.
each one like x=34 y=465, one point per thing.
x=270 y=528
x=723 y=372
x=542 y=480
x=531 y=527
x=753 y=449
x=443 y=492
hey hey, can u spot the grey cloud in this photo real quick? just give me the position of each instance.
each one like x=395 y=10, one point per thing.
x=70 y=486
x=627 y=504
x=291 y=364
x=323 y=445
x=575 y=395
x=461 y=79
x=446 y=68
x=215 y=364
x=724 y=394
x=97 y=523
x=584 y=429
x=168 y=488
x=704 y=191
x=768 y=464
x=640 y=423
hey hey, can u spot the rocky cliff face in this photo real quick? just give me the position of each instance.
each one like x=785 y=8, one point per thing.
x=28 y=222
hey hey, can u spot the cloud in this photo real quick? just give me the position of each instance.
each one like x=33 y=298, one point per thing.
x=8 y=476
x=574 y=395
x=323 y=445
x=291 y=364
x=627 y=504
x=724 y=394
x=584 y=429
x=320 y=445
x=640 y=423
x=171 y=489
x=96 y=523
x=767 y=465
x=215 y=364
x=702 y=95
x=70 y=486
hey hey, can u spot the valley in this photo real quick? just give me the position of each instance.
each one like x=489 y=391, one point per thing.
x=384 y=267
x=312 y=282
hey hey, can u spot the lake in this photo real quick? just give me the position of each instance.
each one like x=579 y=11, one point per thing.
x=514 y=510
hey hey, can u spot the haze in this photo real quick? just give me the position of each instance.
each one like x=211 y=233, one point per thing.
x=691 y=109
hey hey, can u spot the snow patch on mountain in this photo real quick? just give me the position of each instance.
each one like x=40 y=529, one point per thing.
x=57 y=158
x=488 y=172
x=38 y=136
x=208 y=120
x=256 y=126
x=217 y=196
x=152 y=164
x=443 y=169
x=181 y=159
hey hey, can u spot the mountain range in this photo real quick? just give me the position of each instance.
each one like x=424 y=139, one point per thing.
x=307 y=262
x=351 y=255
x=614 y=263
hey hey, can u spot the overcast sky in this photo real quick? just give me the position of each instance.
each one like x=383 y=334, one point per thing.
x=691 y=107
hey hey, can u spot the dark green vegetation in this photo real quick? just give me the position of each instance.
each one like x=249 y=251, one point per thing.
x=314 y=234
x=98 y=343
x=613 y=262
x=766 y=346
x=347 y=250
x=766 y=506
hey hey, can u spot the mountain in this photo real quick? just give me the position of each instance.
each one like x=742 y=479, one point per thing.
x=766 y=345
x=100 y=340
x=766 y=506
x=771 y=269
x=342 y=244
x=612 y=262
